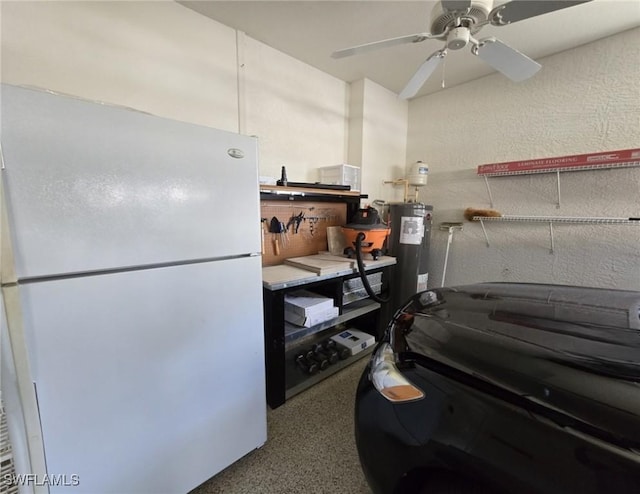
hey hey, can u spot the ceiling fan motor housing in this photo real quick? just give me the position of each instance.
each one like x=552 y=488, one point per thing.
x=442 y=19
x=458 y=38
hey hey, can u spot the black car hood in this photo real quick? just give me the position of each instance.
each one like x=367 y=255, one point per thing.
x=572 y=349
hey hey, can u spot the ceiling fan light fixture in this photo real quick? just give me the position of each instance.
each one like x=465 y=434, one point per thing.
x=458 y=38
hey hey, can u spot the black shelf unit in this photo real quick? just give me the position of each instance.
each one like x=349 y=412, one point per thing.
x=283 y=341
x=287 y=193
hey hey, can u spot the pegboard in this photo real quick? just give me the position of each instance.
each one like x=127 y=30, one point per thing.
x=304 y=226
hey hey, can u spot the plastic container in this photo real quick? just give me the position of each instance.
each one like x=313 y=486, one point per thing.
x=341 y=175
x=418 y=174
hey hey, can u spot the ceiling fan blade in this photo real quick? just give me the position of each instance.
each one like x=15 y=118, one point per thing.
x=518 y=10
x=422 y=74
x=354 y=50
x=515 y=65
x=458 y=5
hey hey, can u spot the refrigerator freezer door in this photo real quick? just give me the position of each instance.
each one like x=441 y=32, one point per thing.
x=148 y=381
x=92 y=187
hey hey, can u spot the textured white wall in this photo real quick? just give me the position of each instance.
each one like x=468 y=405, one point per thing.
x=298 y=113
x=356 y=123
x=377 y=139
x=158 y=57
x=583 y=100
x=384 y=141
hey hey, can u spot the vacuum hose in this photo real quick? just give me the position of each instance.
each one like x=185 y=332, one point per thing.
x=365 y=281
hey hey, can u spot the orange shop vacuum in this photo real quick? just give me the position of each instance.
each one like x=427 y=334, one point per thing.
x=365 y=234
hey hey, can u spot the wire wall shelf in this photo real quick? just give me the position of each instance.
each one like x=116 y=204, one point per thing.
x=626 y=158
x=550 y=220
x=562 y=169
x=557 y=171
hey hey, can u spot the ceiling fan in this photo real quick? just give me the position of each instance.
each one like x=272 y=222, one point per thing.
x=456 y=22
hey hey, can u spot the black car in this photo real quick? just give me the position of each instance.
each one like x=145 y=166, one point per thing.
x=505 y=388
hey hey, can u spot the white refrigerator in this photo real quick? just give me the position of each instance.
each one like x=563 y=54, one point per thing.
x=132 y=325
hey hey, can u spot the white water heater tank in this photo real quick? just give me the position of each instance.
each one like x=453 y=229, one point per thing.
x=417 y=174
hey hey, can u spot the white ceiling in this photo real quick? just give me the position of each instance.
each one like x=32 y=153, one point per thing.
x=311 y=30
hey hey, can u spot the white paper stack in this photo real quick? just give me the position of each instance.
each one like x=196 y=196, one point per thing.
x=306 y=308
x=311 y=319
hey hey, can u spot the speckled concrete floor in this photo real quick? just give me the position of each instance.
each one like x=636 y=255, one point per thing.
x=310 y=446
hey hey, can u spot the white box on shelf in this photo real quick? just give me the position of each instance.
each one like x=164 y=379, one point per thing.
x=305 y=302
x=312 y=318
x=341 y=175
x=264 y=180
x=355 y=341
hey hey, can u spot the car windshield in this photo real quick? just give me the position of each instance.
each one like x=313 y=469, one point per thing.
x=575 y=349
x=594 y=329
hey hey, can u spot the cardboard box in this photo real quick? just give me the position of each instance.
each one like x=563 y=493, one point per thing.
x=355 y=341
x=311 y=319
x=305 y=303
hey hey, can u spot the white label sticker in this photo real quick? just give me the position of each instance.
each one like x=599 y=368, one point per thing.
x=411 y=230
x=422 y=282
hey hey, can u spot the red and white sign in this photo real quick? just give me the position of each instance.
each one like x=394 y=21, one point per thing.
x=625 y=157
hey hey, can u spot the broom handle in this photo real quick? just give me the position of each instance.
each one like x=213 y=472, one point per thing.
x=446 y=255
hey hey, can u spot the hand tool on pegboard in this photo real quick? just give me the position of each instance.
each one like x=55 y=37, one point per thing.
x=263 y=226
x=275 y=227
x=284 y=235
x=294 y=222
